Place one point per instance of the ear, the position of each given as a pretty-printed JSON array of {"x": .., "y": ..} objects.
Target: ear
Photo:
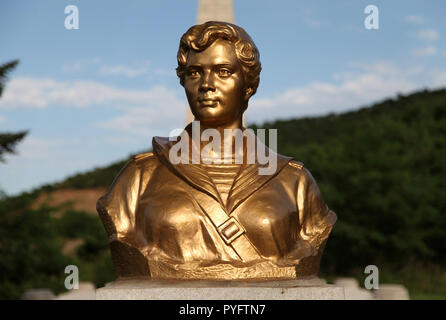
[{"x": 248, "y": 93}]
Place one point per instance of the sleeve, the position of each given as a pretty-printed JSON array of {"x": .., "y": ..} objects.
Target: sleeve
[
  {"x": 316, "y": 219},
  {"x": 117, "y": 210}
]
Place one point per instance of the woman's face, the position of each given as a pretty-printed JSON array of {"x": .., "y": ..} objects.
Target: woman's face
[{"x": 214, "y": 84}]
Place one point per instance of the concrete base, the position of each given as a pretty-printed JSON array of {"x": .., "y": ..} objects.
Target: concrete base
[{"x": 143, "y": 289}]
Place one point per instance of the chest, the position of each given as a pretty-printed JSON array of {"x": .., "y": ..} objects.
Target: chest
[{"x": 268, "y": 215}]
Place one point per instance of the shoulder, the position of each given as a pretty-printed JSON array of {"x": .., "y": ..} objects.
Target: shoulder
[
  {"x": 296, "y": 164},
  {"x": 295, "y": 168},
  {"x": 120, "y": 201},
  {"x": 138, "y": 163},
  {"x": 144, "y": 159},
  {"x": 300, "y": 172},
  {"x": 134, "y": 167},
  {"x": 135, "y": 172}
]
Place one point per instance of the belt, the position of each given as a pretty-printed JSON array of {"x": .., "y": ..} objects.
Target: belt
[{"x": 229, "y": 228}]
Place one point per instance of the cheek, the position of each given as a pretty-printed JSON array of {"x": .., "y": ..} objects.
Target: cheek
[
  {"x": 234, "y": 88},
  {"x": 189, "y": 88},
  {"x": 240, "y": 86}
]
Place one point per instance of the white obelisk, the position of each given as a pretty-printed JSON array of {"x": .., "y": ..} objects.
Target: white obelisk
[
  {"x": 212, "y": 10},
  {"x": 215, "y": 10}
]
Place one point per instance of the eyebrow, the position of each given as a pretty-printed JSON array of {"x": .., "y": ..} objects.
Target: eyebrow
[
  {"x": 225, "y": 65},
  {"x": 199, "y": 66},
  {"x": 194, "y": 66}
]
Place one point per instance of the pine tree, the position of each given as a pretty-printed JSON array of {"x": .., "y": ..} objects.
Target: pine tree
[{"x": 8, "y": 140}]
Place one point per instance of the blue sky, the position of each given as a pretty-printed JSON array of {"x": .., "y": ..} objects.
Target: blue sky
[{"x": 95, "y": 95}]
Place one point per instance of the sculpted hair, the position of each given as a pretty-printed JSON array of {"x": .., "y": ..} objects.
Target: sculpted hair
[{"x": 201, "y": 36}]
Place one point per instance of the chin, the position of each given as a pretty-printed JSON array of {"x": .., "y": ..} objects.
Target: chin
[
  {"x": 209, "y": 120},
  {"x": 206, "y": 116}
]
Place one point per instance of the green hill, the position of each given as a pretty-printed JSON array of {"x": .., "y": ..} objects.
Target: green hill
[{"x": 380, "y": 168}]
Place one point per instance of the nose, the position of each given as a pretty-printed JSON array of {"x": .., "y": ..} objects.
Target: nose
[{"x": 207, "y": 81}]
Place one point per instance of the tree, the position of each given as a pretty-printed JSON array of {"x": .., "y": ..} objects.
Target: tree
[
  {"x": 8, "y": 140},
  {"x": 4, "y": 70}
]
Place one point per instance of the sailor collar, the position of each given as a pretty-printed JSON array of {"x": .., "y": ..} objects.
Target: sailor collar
[{"x": 247, "y": 181}]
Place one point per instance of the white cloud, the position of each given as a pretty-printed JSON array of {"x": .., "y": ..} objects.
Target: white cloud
[
  {"x": 140, "y": 69},
  {"x": 42, "y": 160},
  {"x": 39, "y": 148},
  {"x": 80, "y": 65},
  {"x": 148, "y": 121},
  {"x": 429, "y": 35},
  {"x": 308, "y": 19},
  {"x": 97, "y": 66},
  {"x": 145, "y": 112},
  {"x": 311, "y": 22},
  {"x": 414, "y": 19},
  {"x": 122, "y": 71},
  {"x": 47, "y": 152},
  {"x": 426, "y": 51},
  {"x": 383, "y": 68},
  {"x": 31, "y": 92},
  {"x": 164, "y": 110},
  {"x": 438, "y": 79},
  {"x": 2, "y": 119},
  {"x": 349, "y": 90}
]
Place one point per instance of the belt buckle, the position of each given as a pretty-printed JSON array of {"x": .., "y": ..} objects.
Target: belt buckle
[{"x": 230, "y": 230}]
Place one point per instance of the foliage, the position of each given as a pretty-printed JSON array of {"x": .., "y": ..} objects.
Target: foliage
[
  {"x": 31, "y": 250},
  {"x": 8, "y": 141},
  {"x": 382, "y": 170},
  {"x": 30, "y": 253},
  {"x": 93, "y": 255},
  {"x": 4, "y": 71}
]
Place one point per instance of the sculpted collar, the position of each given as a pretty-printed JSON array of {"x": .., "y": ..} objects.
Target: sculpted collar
[{"x": 247, "y": 181}]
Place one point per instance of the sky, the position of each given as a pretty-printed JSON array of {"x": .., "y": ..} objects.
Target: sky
[{"x": 94, "y": 95}]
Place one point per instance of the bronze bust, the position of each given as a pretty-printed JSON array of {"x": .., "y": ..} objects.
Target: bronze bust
[{"x": 215, "y": 220}]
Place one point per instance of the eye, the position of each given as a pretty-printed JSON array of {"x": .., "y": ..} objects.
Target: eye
[
  {"x": 193, "y": 73},
  {"x": 224, "y": 73}
]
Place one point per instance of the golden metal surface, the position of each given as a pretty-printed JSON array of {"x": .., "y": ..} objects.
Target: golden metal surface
[{"x": 171, "y": 221}]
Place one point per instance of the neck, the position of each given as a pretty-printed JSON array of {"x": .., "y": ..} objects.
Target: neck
[{"x": 226, "y": 140}]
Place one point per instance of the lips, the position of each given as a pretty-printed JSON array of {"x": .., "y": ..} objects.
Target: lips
[
  {"x": 207, "y": 99},
  {"x": 208, "y": 102}
]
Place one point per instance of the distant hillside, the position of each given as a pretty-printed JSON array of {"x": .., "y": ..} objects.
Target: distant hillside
[
  {"x": 94, "y": 180},
  {"x": 380, "y": 168}
]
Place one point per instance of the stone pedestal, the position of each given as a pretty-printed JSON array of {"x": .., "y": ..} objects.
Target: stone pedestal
[
  {"x": 143, "y": 289},
  {"x": 391, "y": 292},
  {"x": 38, "y": 294},
  {"x": 352, "y": 289},
  {"x": 86, "y": 291}
]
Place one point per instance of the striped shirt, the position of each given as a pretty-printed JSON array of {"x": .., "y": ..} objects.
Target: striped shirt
[{"x": 223, "y": 176}]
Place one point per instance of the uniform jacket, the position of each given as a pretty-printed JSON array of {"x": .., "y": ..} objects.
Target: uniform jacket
[{"x": 167, "y": 221}]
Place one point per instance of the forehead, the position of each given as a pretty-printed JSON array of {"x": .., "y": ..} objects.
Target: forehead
[{"x": 219, "y": 52}]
